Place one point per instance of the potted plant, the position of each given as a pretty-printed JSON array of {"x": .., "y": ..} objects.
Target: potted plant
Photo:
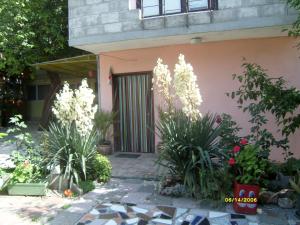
[
  {"x": 248, "y": 168},
  {"x": 103, "y": 122},
  {"x": 26, "y": 180}
]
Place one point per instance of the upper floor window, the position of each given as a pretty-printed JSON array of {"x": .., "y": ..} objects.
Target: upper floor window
[{"x": 167, "y": 7}]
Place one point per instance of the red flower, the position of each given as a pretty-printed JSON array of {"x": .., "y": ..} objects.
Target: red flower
[
  {"x": 244, "y": 141},
  {"x": 218, "y": 119},
  {"x": 236, "y": 149},
  {"x": 231, "y": 161}
]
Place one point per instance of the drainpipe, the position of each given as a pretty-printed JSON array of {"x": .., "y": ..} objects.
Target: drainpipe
[{"x": 98, "y": 81}]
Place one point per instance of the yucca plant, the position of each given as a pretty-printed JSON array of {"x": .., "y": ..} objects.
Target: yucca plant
[
  {"x": 190, "y": 149},
  {"x": 69, "y": 150}
]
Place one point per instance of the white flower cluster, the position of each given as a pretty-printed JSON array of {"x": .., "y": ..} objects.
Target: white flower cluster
[
  {"x": 76, "y": 106},
  {"x": 185, "y": 86},
  {"x": 162, "y": 80}
]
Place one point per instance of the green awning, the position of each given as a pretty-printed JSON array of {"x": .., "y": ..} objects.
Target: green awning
[{"x": 77, "y": 66}]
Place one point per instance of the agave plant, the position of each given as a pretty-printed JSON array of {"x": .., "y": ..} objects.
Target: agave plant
[
  {"x": 190, "y": 149},
  {"x": 69, "y": 150}
]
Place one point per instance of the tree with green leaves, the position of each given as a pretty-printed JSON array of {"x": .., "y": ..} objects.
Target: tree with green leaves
[
  {"x": 259, "y": 95},
  {"x": 32, "y": 31},
  {"x": 295, "y": 31}
]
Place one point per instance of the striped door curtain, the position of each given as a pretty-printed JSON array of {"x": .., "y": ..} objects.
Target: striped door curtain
[{"x": 133, "y": 103}]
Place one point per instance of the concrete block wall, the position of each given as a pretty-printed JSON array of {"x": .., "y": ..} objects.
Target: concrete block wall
[
  {"x": 94, "y": 17},
  {"x": 90, "y": 18}
]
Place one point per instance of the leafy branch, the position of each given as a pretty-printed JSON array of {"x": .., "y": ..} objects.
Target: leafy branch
[{"x": 259, "y": 95}]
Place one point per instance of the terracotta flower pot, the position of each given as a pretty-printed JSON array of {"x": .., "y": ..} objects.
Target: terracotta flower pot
[
  {"x": 245, "y": 198},
  {"x": 105, "y": 149}
]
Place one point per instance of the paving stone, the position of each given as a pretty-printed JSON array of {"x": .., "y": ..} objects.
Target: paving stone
[
  {"x": 136, "y": 197},
  {"x": 133, "y": 168},
  {"x": 185, "y": 202},
  {"x": 157, "y": 199},
  {"x": 148, "y": 188}
]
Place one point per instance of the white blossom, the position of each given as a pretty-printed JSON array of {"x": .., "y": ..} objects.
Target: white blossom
[
  {"x": 162, "y": 80},
  {"x": 76, "y": 106},
  {"x": 186, "y": 87}
]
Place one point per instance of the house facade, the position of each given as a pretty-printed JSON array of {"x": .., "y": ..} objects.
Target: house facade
[{"x": 214, "y": 35}]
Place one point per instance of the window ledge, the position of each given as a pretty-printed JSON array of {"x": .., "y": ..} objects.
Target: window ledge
[{"x": 177, "y": 14}]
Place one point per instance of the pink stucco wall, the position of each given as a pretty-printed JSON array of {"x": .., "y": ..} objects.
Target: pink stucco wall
[{"x": 214, "y": 63}]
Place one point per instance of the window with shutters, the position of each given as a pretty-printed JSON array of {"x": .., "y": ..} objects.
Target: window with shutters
[{"x": 152, "y": 8}]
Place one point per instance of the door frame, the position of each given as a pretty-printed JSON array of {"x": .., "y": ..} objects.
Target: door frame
[{"x": 115, "y": 124}]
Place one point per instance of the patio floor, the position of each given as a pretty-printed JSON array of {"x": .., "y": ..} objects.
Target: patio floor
[
  {"x": 101, "y": 206},
  {"x": 142, "y": 167}
]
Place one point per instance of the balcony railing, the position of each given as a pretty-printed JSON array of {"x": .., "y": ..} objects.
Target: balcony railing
[{"x": 151, "y": 8}]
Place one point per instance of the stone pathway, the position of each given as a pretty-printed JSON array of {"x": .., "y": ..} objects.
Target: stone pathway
[
  {"x": 122, "y": 214},
  {"x": 142, "y": 194},
  {"x": 21, "y": 210},
  {"x": 143, "y": 167}
]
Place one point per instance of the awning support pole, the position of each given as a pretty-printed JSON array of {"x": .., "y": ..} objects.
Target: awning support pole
[{"x": 98, "y": 82}]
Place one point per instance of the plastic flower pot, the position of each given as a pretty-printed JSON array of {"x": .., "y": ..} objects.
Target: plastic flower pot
[
  {"x": 30, "y": 189},
  {"x": 245, "y": 198}
]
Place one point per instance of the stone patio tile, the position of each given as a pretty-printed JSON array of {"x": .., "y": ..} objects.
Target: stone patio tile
[
  {"x": 118, "y": 208},
  {"x": 219, "y": 218},
  {"x": 197, "y": 211},
  {"x": 252, "y": 218},
  {"x": 168, "y": 210},
  {"x": 272, "y": 220},
  {"x": 139, "y": 210},
  {"x": 180, "y": 212},
  {"x": 136, "y": 197},
  {"x": 133, "y": 181},
  {"x": 162, "y": 221},
  {"x": 185, "y": 203},
  {"x": 147, "y": 188},
  {"x": 157, "y": 199},
  {"x": 74, "y": 213},
  {"x": 98, "y": 222}
]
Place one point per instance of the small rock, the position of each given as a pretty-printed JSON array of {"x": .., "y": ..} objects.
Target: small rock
[
  {"x": 285, "y": 203},
  {"x": 285, "y": 193},
  {"x": 268, "y": 197},
  {"x": 259, "y": 211}
]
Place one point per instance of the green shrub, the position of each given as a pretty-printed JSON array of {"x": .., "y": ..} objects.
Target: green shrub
[
  {"x": 187, "y": 149},
  {"x": 101, "y": 169},
  {"x": 290, "y": 167},
  {"x": 86, "y": 186},
  {"x": 25, "y": 173},
  {"x": 261, "y": 95}
]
